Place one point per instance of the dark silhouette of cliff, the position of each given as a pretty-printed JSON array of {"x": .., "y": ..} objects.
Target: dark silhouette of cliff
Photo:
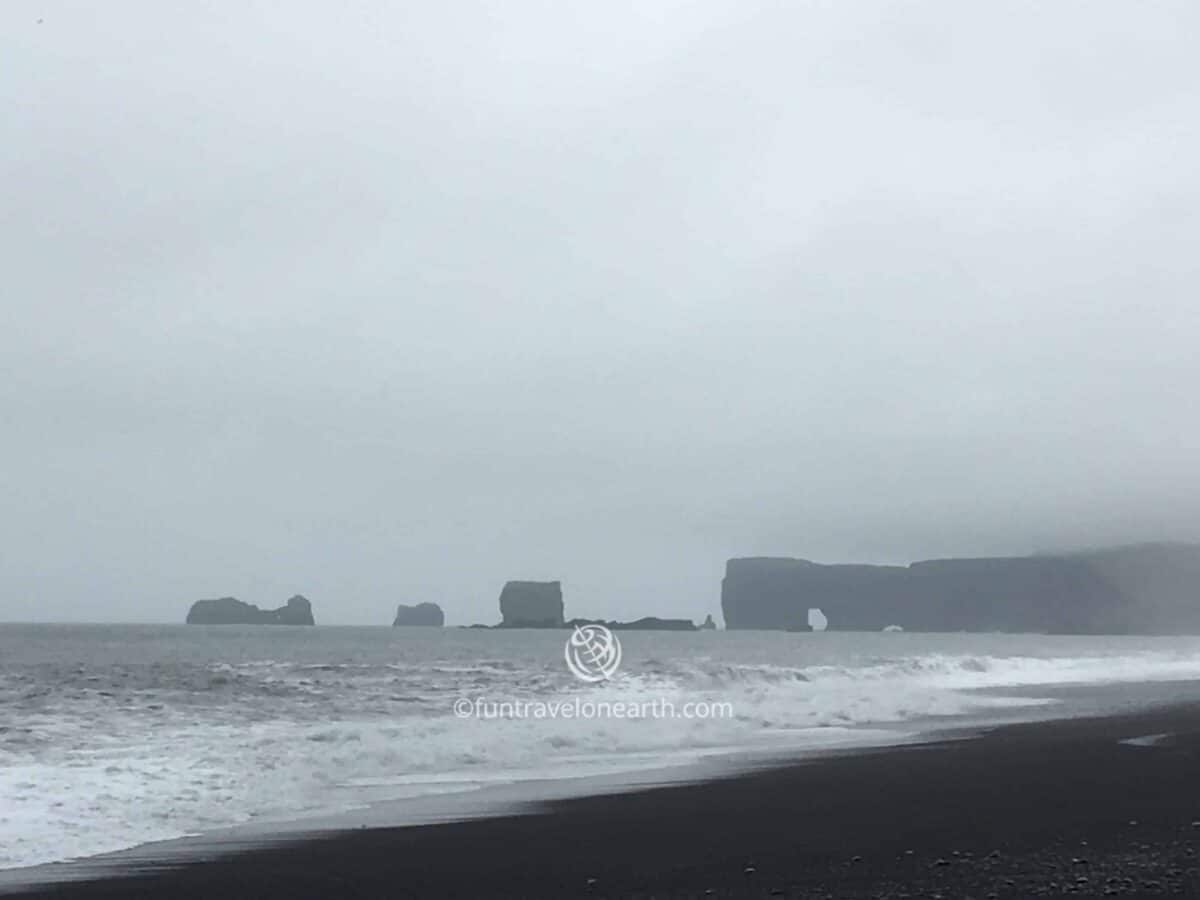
[
  {"x": 531, "y": 604},
  {"x": 230, "y": 611},
  {"x": 646, "y": 623},
  {"x": 1141, "y": 589},
  {"x": 539, "y": 604},
  {"x": 423, "y": 614}
]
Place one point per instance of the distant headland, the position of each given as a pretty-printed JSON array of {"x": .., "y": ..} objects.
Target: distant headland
[{"x": 1138, "y": 589}]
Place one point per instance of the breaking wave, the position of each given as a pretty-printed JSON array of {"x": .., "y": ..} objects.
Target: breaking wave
[{"x": 106, "y": 753}]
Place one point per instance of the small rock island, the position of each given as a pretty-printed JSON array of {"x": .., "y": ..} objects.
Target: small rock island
[
  {"x": 646, "y": 623},
  {"x": 531, "y": 604},
  {"x": 539, "y": 604},
  {"x": 231, "y": 611},
  {"x": 425, "y": 614}
]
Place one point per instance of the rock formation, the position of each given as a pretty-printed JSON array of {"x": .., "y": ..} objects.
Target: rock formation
[
  {"x": 647, "y": 623},
  {"x": 229, "y": 611},
  {"x": 531, "y": 604},
  {"x": 1144, "y": 589},
  {"x": 421, "y": 614}
]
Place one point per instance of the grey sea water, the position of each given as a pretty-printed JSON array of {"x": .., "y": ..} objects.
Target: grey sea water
[{"x": 116, "y": 735}]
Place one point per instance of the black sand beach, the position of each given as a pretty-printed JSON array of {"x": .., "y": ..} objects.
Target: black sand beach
[{"x": 1032, "y": 810}]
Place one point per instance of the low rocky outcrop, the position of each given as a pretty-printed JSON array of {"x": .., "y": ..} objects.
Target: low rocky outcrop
[
  {"x": 531, "y": 604},
  {"x": 647, "y": 623},
  {"x": 230, "y": 611},
  {"x": 429, "y": 614},
  {"x": 1142, "y": 589}
]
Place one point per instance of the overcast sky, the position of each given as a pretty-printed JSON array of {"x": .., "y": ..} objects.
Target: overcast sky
[{"x": 389, "y": 302}]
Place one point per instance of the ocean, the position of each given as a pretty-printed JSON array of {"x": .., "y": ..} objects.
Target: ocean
[{"x": 112, "y": 736}]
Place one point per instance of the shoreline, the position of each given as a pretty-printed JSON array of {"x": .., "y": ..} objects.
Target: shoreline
[
  {"x": 1021, "y": 810},
  {"x": 465, "y": 801}
]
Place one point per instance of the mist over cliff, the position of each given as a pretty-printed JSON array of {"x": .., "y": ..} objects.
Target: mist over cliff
[
  {"x": 394, "y": 301},
  {"x": 1145, "y": 589}
]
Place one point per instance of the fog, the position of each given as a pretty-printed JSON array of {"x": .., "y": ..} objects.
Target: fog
[{"x": 386, "y": 303}]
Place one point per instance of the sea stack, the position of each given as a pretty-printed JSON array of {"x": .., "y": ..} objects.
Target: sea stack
[
  {"x": 646, "y": 623},
  {"x": 531, "y": 604},
  {"x": 425, "y": 614},
  {"x": 231, "y": 611}
]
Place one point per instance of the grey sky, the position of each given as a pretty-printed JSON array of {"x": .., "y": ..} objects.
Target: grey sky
[{"x": 390, "y": 302}]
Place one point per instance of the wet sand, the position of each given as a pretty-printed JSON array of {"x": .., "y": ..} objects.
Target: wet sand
[{"x": 1042, "y": 809}]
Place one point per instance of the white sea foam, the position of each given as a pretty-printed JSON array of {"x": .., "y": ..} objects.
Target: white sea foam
[{"x": 104, "y": 753}]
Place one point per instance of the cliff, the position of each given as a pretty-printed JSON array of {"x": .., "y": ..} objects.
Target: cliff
[
  {"x": 531, "y": 604},
  {"x": 229, "y": 611},
  {"x": 1143, "y": 589},
  {"x": 646, "y": 623},
  {"x": 422, "y": 614}
]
